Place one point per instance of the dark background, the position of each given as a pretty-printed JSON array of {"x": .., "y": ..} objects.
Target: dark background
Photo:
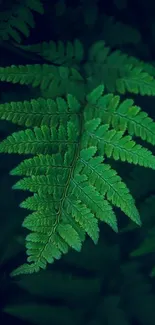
[{"x": 103, "y": 284}]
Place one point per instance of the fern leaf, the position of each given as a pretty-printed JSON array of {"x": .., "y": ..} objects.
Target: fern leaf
[
  {"x": 58, "y": 53},
  {"x": 107, "y": 182},
  {"x": 19, "y": 19},
  {"x": 41, "y": 164},
  {"x": 42, "y": 184},
  {"x": 92, "y": 198},
  {"x": 70, "y": 236},
  {"x": 38, "y": 202},
  {"x": 58, "y": 81},
  {"x": 84, "y": 217},
  {"x": 73, "y": 186},
  {"x": 136, "y": 81},
  {"x": 39, "y": 112},
  {"x": 126, "y": 116},
  {"x": 42, "y": 219},
  {"x": 112, "y": 143},
  {"x": 25, "y": 269},
  {"x": 117, "y": 72},
  {"x": 44, "y": 248},
  {"x": 39, "y": 140},
  {"x": 35, "y": 5},
  {"x": 121, "y": 115},
  {"x": 39, "y": 220}
]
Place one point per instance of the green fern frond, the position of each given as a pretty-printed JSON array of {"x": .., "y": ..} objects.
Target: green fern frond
[
  {"x": 117, "y": 72},
  {"x": 107, "y": 182},
  {"x": 40, "y": 165},
  {"x": 113, "y": 144},
  {"x": 58, "y": 81},
  {"x": 26, "y": 269},
  {"x": 19, "y": 19},
  {"x": 38, "y": 140},
  {"x": 70, "y": 53},
  {"x": 121, "y": 115},
  {"x": 38, "y": 202},
  {"x": 74, "y": 189},
  {"x": 40, "y": 111},
  {"x": 85, "y": 218}
]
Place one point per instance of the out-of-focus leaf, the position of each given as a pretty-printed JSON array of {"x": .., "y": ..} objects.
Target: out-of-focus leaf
[{"x": 42, "y": 314}]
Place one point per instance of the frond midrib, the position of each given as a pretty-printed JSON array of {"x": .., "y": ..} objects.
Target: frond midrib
[{"x": 64, "y": 196}]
